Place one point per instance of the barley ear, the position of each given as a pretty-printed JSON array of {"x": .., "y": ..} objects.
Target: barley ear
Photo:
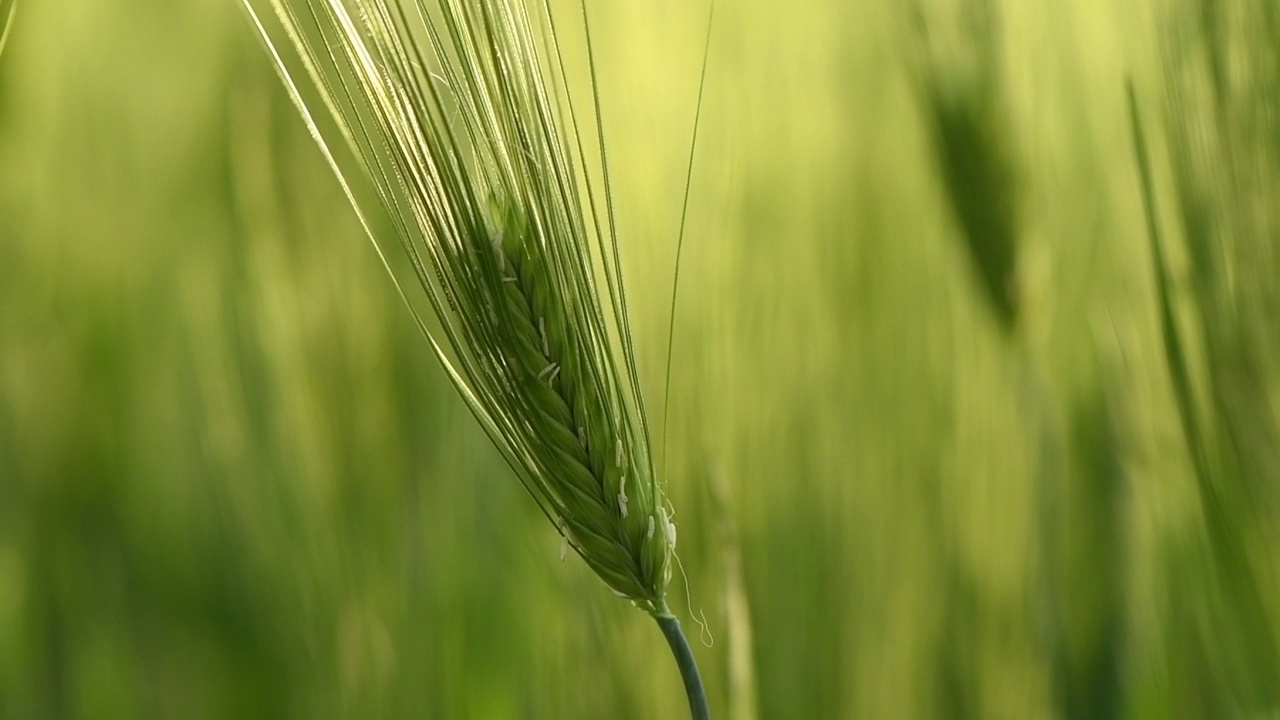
[
  {"x": 601, "y": 480},
  {"x": 443, "y": 128}
]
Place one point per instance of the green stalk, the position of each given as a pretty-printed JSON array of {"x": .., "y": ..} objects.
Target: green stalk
[{"x": 688, "y": 666}]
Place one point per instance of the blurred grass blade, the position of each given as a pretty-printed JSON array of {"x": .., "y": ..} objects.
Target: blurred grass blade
[
  {"x": 743, "y": 688},
  {"x": 1248, "y": 623},
  {"x": 8, "y": 11},
  {"x": 1175, "y": 353},
  {"x": 1218, "y": 516}
]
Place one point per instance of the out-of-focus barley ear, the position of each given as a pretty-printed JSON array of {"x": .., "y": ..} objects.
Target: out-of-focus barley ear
[
  {"x": 469, "y": 174},
  {"x": 8, "y": 11},
  {"x": 957, "y": 69}
]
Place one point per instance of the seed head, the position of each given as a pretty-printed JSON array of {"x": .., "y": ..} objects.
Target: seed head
[{"x": 444, "y": 124}]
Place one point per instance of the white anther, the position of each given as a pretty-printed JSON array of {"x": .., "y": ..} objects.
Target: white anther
[
  {"x": 617, "y": 451},
  {"x": 622, "y": 496},
  {"x": 564, "y": 548},
  {"x": 648, "y": 533},
  {"x": 668, "y": 528},
  {"x": 549, "y": 371}
]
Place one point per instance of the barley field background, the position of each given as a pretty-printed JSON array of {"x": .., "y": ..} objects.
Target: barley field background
[{"x": 952, "y": 433}]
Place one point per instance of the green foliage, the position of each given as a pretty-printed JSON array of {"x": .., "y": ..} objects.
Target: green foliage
[{"x": 235, "y": 483}]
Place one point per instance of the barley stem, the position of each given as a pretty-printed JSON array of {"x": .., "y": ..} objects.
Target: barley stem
[{"x": 688, "y": 666}]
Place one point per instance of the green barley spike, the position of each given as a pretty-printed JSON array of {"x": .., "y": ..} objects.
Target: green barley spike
[{"x": 440, "y": 120}]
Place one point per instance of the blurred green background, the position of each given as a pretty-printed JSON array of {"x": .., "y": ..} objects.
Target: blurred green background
[{"x": 939, "y": 445}]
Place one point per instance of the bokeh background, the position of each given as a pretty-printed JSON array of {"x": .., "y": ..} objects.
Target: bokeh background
[{"x": 951, "y": 435}]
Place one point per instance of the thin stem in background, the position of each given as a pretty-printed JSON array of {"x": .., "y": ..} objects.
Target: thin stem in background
[{"x": 6, "y": 21}]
